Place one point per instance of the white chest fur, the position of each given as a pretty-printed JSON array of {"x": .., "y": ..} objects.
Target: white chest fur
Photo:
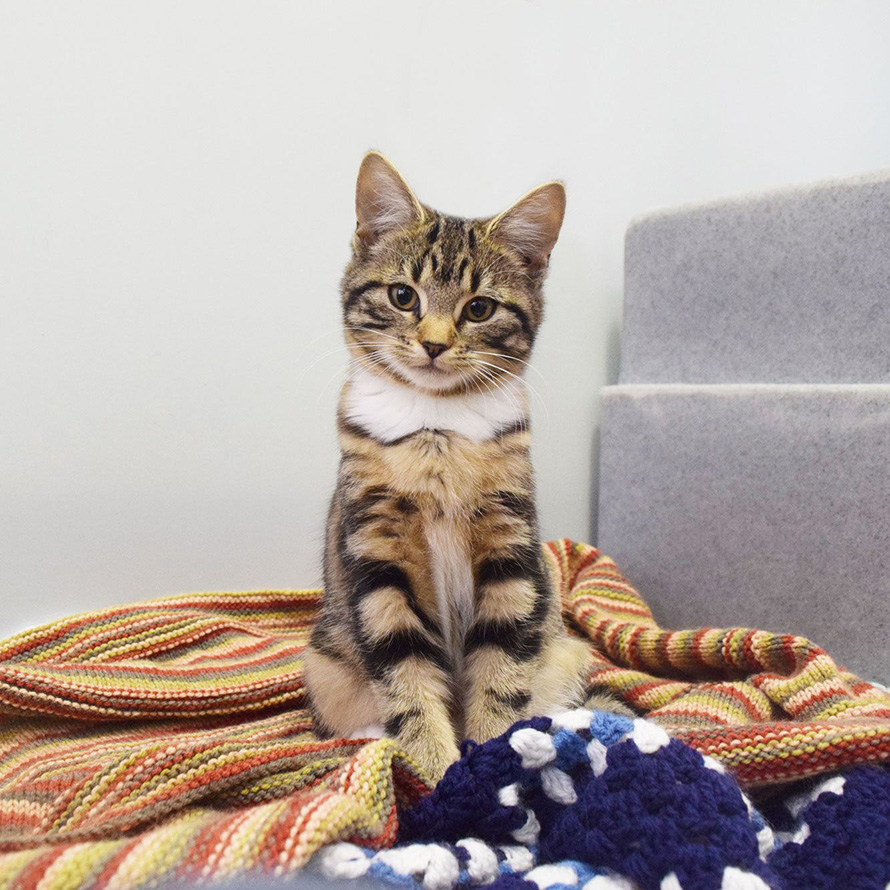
[
  {"x": 453, "y": 581},
  {"x": 389, "y": 411}
]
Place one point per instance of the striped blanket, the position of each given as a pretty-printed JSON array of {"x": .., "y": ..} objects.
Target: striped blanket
[{"x": 169, "y": 741}]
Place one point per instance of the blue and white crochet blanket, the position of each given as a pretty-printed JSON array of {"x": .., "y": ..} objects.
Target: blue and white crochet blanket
[{"x": 599, "y": 802}]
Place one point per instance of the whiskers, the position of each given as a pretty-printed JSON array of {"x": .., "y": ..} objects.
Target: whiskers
[
  {"x": 374, "y": 355},
  {"x": 512, "y": 358},
  {"x": 487, "y": 381},
  {"x": 366, "y": 361},
  {"x": 374, "y": 331},
  {"x": 490, "y": 372}
]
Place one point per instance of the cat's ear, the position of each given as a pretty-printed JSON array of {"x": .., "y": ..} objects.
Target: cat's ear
[
  {"x": 531, "y": 226},
  {"x": 383, "y": 201}
]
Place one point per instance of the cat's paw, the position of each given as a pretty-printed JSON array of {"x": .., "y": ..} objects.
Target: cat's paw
[
  {"x": 433, "y": 758},
  {"x": 490, "y": 724},
  {"x": 604, "y": 701}
]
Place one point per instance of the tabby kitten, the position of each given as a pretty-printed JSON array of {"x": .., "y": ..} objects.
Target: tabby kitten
[{"x": 438, "y": 620}]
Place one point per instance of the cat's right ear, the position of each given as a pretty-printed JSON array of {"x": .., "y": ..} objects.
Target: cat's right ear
[{"x": 383, "y": 201}]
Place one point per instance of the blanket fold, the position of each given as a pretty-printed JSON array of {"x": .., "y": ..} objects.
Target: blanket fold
[{"x": 170, "y": 738}]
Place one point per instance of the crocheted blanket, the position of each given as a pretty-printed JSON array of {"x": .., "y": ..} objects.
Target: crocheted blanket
[
  {"x": 168, "y": 740},
  {"x": 599, "y": 801}
]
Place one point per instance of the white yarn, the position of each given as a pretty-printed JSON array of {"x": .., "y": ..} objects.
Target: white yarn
[
  {"x": 717, "y": 766},
  {"x": 574, "y": 720},
  {"x": 410, "y": 860},
  {"x": 443, "y": 869},
  {"x": 736, "y": 879},
  {"x": 801, "y": 834},
  {"x": 482, "y": 866},
  {"x": 433, "y": 865},
  {"x": 437, "y": 865},
  {"x": 518, "y": 858},
  {"x": 548, "y": 875},
  {"x": 797, "y": 802},
  {"x": 534, "y": 747},
  {"x": 342, "y": 861},
  {"x": 596, "y": 751},
  {"x": 529, "y": 832},
  {"x": 766, "y": 842},
  {"x": 508, "y": 796},
  {"x": 558, "y": 785},
  {"x": 648, "y": 737},
  {"x": 670, "y": 882},
  {"x": 833, "y": 785}
]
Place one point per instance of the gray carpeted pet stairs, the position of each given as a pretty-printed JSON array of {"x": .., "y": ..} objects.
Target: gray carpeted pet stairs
[{"x": 746, "y": 448}]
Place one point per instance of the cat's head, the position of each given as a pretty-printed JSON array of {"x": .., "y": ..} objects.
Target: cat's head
[{"x": 441, "y": 303}]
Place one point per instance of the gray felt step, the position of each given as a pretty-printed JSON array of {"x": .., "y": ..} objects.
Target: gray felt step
[
  {"x": 755, "y": 505},
  {"x": 791, "y": 286}
]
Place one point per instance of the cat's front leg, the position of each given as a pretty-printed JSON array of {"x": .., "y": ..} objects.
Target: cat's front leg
[
  {"x": 403, "y": 654},
  {"x": 415, "y": 693},
  {"x": 504, "y": 643}
]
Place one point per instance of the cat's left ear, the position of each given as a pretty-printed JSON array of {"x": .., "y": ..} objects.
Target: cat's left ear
[
  {"x": 383, "y": 200},
  {"x": 531, "y": 226}
]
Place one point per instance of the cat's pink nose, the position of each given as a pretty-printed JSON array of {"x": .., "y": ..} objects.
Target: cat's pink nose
[{"x": 434, "y": 349}]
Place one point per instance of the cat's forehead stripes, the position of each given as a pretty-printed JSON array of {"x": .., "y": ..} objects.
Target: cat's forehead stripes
[
  {"x": 460, "y": 271},
  {"x": 450, "y": 255}
]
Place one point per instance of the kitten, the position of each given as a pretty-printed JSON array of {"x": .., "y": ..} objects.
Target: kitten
[{"x": 438, "y": 620}]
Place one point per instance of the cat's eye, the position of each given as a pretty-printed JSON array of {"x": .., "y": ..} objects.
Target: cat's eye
[
  {"x": 403, "y": 297},
  {"x": 479, "y": 308}
]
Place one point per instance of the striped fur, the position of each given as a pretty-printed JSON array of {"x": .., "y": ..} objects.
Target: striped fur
[{"x": 438, "y": 622}]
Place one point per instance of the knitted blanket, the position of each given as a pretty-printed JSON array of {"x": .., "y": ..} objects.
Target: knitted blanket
[{"x": 168, "y": 740}]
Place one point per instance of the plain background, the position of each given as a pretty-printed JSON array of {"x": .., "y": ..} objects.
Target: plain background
[{"x": 176, "y": 188}]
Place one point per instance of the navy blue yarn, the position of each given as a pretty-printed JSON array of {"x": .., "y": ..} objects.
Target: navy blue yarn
[
  {"x": 511, "y": 882},
  {"x": 849, "y": 842},
  {"x": 465, "y": 802},
  {"x": 648, "y": 815}
]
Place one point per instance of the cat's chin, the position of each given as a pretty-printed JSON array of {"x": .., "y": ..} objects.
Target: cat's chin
[{"x": 432, "y": 380}]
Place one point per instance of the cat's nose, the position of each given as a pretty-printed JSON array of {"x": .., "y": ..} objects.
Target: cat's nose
[{"x": 434, "y": 349}]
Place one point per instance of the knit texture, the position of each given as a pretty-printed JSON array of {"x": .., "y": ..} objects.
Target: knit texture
[
  {"x": 600, "y": 801},
  {"x": 170, "y": 739}
]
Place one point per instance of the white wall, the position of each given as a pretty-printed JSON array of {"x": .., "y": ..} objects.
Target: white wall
[{"x": 176, "y": 186}]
